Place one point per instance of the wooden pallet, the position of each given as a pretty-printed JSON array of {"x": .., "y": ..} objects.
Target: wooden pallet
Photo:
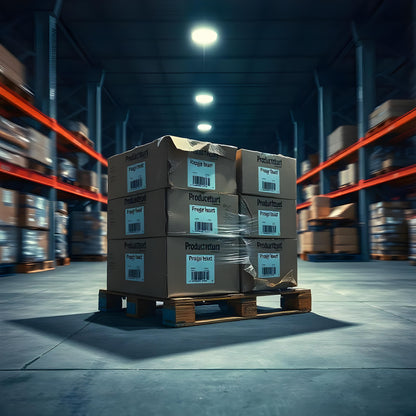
[
  {"x": 384, "y": 171},
  {"x": 63, "y": 262},
  {"x": 89, "y": 257},
  {"x": 35, "y": 267},
  {"x": 39, "y": 167},
  {"x": 388, "y": 257},
  {"x": 380, "y": 126},
  {"x": 180, "y": 312},
  {"x": 86, "y": 187},
  {"x": 82, "y": 138}
]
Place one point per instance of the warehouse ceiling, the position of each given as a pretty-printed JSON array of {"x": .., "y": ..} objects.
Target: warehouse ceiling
[{"x": 262, "y": 68}]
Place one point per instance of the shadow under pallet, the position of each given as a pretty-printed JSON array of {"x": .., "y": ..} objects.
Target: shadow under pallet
[
  {"x": 328, "y": 257},
  {"x": 180, "y": 312}
]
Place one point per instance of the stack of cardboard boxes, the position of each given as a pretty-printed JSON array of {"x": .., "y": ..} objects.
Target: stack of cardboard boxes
[
  {"x": 389, "y": 228},
  {"x": 323, "y": 229},
  {"x": 341, "y": 138},
  {"x": 8, "y": 226},
  {"x": 88, "y": 233},
  {"x": 267, "y": 190},
  {"x": 34, "y": 226},
  {"x": 348, "y": 176},
  {"x": 174, "y": 222},
  {"x": 61, "y": 230}
]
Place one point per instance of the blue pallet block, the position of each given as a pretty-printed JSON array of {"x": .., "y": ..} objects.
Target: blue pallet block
[{"x": 333, "y": 257}]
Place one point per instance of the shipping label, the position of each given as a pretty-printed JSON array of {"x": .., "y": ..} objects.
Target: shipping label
[
  {"x": 201, "y": 174},
  {"x": 200, "y": 268},
  {"x": 203, "y": 220},
  {"x": 136, "y": 177},
  {"x": 269, "y": 180},
  {"x": 134, "y": 267},
  {"x": 134, "y": 220},
  {"x": 268, "y": 265},
  {"x": 269, "y": 222},
  {"x": 7, "y": 197}
]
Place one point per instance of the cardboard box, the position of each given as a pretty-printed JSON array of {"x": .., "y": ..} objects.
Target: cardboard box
[
  {"x": 341, "y": 138},
  {"x": 61, "y": 223},
  {"x": 387, "y": 212},
  {"x": 304, "y": 215},
  {"x": 348, "y": 176},
  {"x": 345, "y": 248},
  {"x": 316, "y": 241},
  {"x": 87, "y": 178},
  {"x": 77, "y": 127},
  {"x": 347, "y": 211},
  {"x": 173, "y": 266},
  {"x": 13, "y": 133},
  {"x": 173, "y": 212},
  {"x": 8, "y": 207},
  {"x": 267, "y": 217},
  {"x": 40, "y": 147},
  {"x": 390, "y": 109},
  {"x": 320, "y": 207},
  {"x": 173, "y": 162},
  {"x": 389, "y": 229},
  {"x": 266, "y": 174},
  {"x": 12, "y": 157},
  {"x": 11, "y": 67},
  {"x": 390, "y": 204},
  {"x": 310, "y": 163},
  {"x": 345, "y": 236},
  {"x": 33, "y": 212},
  {"x": 270, "y": 265},
  {"x": 34, "y": 245}
]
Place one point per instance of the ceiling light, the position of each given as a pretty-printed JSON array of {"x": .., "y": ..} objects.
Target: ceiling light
[
  {"x": 204, "y": 99},
  {"x": 204, "y": 36},
  {"x": 204, "y": 127}
]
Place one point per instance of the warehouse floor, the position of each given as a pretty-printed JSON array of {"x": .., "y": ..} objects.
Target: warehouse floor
[{"x": 353, "y": 355}]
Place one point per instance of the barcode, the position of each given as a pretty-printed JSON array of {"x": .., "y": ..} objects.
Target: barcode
[
  {"x": 200, "y": 276},
  {"x": 136, "y": 183},
  {"x": 134, "y": 274},
  {"x": 269, "y": 186},
  {"x": 134, "y": 227},
  {"x": 269, "y": 229},
  {"x": 269, "y": 271},
  {"x": 201, "y": 181},
  {"x": 203, "y": 226}
]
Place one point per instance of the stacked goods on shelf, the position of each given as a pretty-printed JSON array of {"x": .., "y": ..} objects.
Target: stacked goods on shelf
[
  {"x": 66, "y": 170},
  {"x": 87, "y": 179},
  {"x": 79, "y": 130},
  {"x": 11, "y": 69},
  {"x": 61, "y": 230},
  {"x": 309, "y": 191},
  {"x": 39, "y": 151},
  {"x": 88, "y": 234},
  {"x": 384, "y": 159},
  {"x": 328, "y": 230},
  {"x": 34, "y": 225},
  {"x": 348, "y": 176},
  {"x": 341, "y": 138},
  {"x": 389, "y": 230},
  {"x": 389, "y": 110},
  {"x": 14, "y": 143},
  {"x": 173, "y": 219},
  {"x": 8, "y": 226},
  {"x": 104, "y": 184},
  {"x": 310, "y": 163},
  {"x": 267, "y": 190},
  {"x": 412, "y": 236}
]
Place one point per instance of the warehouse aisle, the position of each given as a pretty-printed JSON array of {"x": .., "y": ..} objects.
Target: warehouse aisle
[{"x": 354, "y": 354}]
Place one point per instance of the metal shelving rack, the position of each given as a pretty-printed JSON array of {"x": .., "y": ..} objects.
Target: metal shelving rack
[{"x": 394, "y": 131}]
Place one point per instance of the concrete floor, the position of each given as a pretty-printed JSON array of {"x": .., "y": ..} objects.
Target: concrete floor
[{"x": 355, "y": 354}]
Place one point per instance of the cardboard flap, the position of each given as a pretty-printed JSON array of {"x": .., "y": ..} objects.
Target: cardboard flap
[{"x": 190, "y": 145}]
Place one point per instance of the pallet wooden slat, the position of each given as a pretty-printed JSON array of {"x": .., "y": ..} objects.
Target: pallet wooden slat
[
  {"x": 181, "y": 312},
  {"x": 63, "y": 262},
  {"x": 388, "y": 257},
  {"x": 36, "y": 267}
]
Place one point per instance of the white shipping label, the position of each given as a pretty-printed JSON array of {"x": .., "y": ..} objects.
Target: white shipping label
[
  {"x": 268, "y": 265},
  {"x": 201, "y": 174},
  {"x": 269, "y": 222},
  {"x": 134, "y": 220},
  {"x": 134, "y": 267},
  {"x": 136, "y": 177},
  {"x": 203, "y": 220},
  {"x": 269, "y": 180},
  {"x": 7, "y": 197},
  {"x": 200, "y": 268}
]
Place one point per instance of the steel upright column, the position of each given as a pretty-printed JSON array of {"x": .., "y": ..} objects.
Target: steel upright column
[
  {"x": 95, "y": 124},
  {"x": 324, "y": 129},
  {"x": 366, "y": 100},
  {"x": 45, "y": 93}
]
